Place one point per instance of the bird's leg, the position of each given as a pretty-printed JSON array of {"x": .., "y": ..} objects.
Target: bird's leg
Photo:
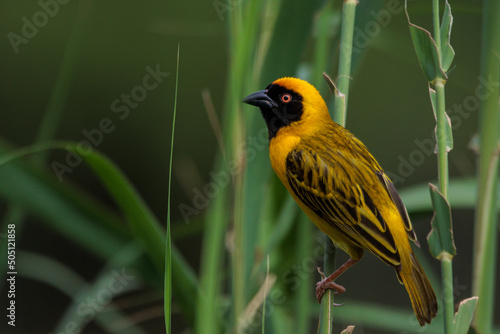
[{"x": 328, "y": 282}]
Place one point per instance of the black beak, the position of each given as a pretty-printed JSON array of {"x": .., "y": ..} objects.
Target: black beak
[{"x": 260, "y": 99}]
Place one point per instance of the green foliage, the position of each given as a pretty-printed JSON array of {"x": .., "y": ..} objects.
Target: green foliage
[
  {"x": 447, "y": 52},
  {"x": 440, "y": 238},
  {"x": 487, "y": 222},
  {"x": 463, "y": 317},
  {"x": 427, "y": 53},
  {"x": 434, "y": 58},
  {"x": 448, "y": 128},
  {"x": 435, "y": 55}
]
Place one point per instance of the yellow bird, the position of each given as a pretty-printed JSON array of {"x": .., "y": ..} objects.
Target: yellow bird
[{"x": 341, "y": 187}]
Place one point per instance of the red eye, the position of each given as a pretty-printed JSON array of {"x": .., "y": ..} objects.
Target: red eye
[{"x": 285, "y": 98}]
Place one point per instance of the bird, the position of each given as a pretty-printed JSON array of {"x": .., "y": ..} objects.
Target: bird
[{"x": 341, "y": 188}]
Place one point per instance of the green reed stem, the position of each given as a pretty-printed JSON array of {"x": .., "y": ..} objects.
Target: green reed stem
[
  {"x": 246, "y": 25},
  {"x": 446, "y": 264},
  {"x": 435, "y": 21},
  {"x": 441, "y": 137},
  {"x": 329, "y": 266},
  {"x": 485, "y": 243},
  {"x": 447, "y": 281},
  {"x": 345, "y": 56},
  {"x": 339, "y": 116},
  {"x": 208, "y": 318}
]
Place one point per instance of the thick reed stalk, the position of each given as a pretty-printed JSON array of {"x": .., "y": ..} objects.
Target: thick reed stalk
[
  {"x": 485, "y": 243},
  {"x": 339, "y": 112}
]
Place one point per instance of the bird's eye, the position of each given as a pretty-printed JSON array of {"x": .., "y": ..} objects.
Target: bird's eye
[{"x": 285, "y": 98}]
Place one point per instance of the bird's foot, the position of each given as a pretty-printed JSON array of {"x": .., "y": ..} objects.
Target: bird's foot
[{"x": 325, "y": 284}]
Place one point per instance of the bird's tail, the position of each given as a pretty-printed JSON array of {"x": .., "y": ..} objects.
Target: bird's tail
[{"x": 422, "y": 296}]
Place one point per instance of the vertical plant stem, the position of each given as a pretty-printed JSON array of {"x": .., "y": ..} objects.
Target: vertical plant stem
[
  {"x": 168, "y": 280},
  {"x": 435, "y": 19},
  {"x": 447, "y": 279},
  {"x": 265, "y": 294},
  {"x": 244, "y": 43},
  {"x": 441, "y": 119},
  {"x": 168, "y": 247},
  {"x": 244, "y": 28},
  {"x": 441, "y": 135},
  {"x": 327, "y": 301},
  {"x": 303, "y": 300},
  {"x": 239, "y": 254},
  {"x": 339, "y": 112},
  {"x": 320, "y": 64},
  {"x": 323, "y": 43},
  {"x": 207, "y": 315},
  {"x": 344, "y": 74},
  {"x": 485, "y": 243},
  {"x": 218, "y": 216}
]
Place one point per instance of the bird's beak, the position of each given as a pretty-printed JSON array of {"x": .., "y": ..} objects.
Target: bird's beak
[{"x": 260, "y": 99}]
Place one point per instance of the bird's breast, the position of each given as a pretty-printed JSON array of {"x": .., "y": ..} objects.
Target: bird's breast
[{"x": 279, "y": 147}]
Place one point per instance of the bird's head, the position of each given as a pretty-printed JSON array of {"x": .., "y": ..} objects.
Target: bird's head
[{"x": 290, "y": 103}]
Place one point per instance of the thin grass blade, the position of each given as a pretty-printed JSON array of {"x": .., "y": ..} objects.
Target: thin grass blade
[{"x": 168, "y": 246}]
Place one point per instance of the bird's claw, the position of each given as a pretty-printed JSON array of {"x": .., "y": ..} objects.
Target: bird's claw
[
  {"x": 322, "y": 274},
  {"x": 324, "y": 285}
]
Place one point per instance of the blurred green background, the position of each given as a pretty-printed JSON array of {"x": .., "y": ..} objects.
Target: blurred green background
[{"x": 101, "y": 50}]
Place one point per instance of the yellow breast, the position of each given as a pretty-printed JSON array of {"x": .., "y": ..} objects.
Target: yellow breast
[{"x": 279, "y": 147}]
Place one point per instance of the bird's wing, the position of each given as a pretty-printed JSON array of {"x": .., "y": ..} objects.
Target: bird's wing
[
  {"x": 336, "y": 187},
  {"x": 393, "y": 193}
]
